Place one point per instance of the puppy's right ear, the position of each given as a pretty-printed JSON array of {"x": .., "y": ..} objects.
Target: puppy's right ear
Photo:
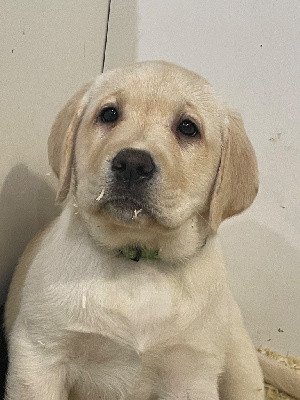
[{"x": 62, "y": 140}]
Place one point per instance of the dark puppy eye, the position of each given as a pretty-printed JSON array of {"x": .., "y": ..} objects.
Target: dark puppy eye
[
  {"x": 109, "y": 115},
  {"x": 188, "y": 128}
]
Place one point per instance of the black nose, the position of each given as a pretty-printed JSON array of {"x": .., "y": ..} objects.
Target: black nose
[{"x": 133, "y": 166}]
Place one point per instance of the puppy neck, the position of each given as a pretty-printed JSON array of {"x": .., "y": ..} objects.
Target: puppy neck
[
  {"x": 136, "y": 253},
  {"x": 135, "y": 242}
]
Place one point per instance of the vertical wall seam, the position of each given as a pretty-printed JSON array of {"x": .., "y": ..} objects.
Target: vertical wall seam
[{"x": 106, "y": 35}]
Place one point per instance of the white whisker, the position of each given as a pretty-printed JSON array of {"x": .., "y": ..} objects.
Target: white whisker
[{"x": 100, "y": 195}]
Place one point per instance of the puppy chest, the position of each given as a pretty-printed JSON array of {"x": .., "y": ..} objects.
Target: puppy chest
[
  {"x": 134, "y": 311},
  {"x": 139, "y": 307}
]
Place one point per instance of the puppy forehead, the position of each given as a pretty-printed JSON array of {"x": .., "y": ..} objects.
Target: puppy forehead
[{"x": 153, "y": 84}]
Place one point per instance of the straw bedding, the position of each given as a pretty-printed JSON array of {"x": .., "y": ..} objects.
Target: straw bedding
[{"x": 291, "y": 362}]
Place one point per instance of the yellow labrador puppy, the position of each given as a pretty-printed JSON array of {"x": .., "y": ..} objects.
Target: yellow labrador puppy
[{"x": 124, "y": 296}]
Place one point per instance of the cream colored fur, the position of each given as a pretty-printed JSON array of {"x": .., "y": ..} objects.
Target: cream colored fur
[{"x": 82, "y": 321}]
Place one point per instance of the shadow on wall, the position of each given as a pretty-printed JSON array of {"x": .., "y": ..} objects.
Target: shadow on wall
[{"x": 27, "y": 203}]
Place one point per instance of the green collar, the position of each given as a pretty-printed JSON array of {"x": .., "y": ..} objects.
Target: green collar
[{"x": 135, "y": 253}]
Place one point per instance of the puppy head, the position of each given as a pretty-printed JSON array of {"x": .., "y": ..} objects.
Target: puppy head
[{"x": 151, "y": 145}]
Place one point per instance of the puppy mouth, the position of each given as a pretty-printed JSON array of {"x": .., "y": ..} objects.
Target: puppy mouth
[{"x": 127, "y": 209}]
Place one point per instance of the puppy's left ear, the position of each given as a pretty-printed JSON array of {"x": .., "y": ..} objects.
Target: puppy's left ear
[
  {"x": 236, "y": 184},
  {"x": 62, "y": 140}
]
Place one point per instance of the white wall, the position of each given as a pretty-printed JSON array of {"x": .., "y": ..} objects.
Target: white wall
[
  {"x": 250, "y": 51},
  {"x": 122, "y": 38},
  {"x": 48, "y": 49}
]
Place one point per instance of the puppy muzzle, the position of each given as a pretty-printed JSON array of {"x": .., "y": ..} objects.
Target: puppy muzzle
[{"x": 131, "y": 194}]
